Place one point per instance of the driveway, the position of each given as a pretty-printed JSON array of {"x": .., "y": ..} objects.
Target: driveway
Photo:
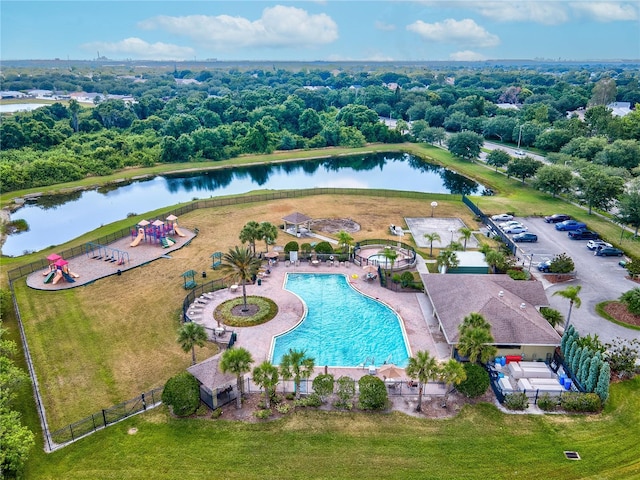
[{"x": 601, "y": 278}]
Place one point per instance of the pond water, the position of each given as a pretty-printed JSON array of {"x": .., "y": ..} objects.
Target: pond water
[{"x": 57, "y": 219}]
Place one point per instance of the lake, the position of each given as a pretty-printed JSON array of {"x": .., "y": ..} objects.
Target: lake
[{"x": 54, "y": 220}]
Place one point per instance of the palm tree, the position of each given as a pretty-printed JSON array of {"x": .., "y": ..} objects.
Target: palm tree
[
  {"x": 431, "y": 237},
  {"x": 447, "y": 259},
  {"x": 250, "y": 233},
  {"x": 295, "y": 364},
  {"x": 476, "y": 343},
  {"x": 190, "y": 335},
  {"x": 391, "y": 255},
  {"x": 266, "y": 376},
  {"x": 422, "y": 367},
  {"x": 494, "y": 259},
  {"x": 345, "y": 240},
  {"x": 268, "y": 233},
  {"x": 473, "y": 320},
  {"x": 236, "y": 361},
  {"x": 243, "y": 266},
  {"x": 571, "y": 294},
  {"x": 466, "y": 234},
  {"x": 74, "y": 108},
  {"x": 451, "y": 373}
]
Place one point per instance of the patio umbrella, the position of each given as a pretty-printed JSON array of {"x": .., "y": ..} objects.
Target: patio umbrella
[
  {"x": 271, "y": 255},
  {"x": 370, "y": 269},
  {"x": 390, "y": 370}
]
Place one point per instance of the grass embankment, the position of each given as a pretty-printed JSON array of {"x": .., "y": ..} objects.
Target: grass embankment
[{"x": 479, "y": 443}]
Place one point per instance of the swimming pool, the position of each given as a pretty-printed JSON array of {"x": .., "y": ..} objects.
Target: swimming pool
[{"x": 342, "y": 327}]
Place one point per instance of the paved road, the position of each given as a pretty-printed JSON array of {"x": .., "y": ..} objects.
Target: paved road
[
  {"x": 510, "y": 151},
  {"x": 601, "y": 278}
]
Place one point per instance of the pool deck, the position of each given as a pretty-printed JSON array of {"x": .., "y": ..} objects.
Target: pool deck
[{"x": 413, "y": 308}]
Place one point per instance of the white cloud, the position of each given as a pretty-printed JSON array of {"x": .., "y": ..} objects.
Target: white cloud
[
  {"x": 134, "y": 47},
  {"x": 606, "y": 11},
  {"x": 546, "y": 13},
  {"x": 385, "y": 27},
  {"x": 459, "y": 32},
  {"x": 279, "y": 26},
  {"x": 467, "y": 56}
]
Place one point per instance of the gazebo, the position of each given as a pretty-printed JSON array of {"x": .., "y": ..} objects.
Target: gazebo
[{"x": 295, "y": 220}]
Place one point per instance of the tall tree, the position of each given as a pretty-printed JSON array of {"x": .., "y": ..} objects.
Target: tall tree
[
  {"x": 391, "y": 255},
  {"x": 475, "y": 340},
  {"x": 451, "y": 373},
  {"x": 268, "y": 233},
  {"x": 448, "y": 259},
  {"x": 250, "y": 233},
  {"x": 191, "y": 335},
  {"x": 498, "y": 158},
  {"x": 345, "y": 240},
  {"x": 466, "y": 234},
  {"x": 237, "y": 361},
  {"x": 604, "y": 92},
  {"x": 629, "y": 206},
  {"x": 423, "y": 367},
  {"x": 243, "y": 266},
  {"x": 599, "y": 187},
  {"x": 523, "y": 168},
  {"x": 554, "y": 179},
  {"x": 296, "y": 365},
  {"x": 266, "y": 376},
  {"x": 431, "y": 237},
  {"x": 465, "y": 145},
  {"x": 570, "y": 293}
]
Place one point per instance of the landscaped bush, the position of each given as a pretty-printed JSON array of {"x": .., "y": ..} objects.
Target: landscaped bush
[
  {"x": 580, "y": 402},
  {"x": 323, "y": 385},
  {"x": 548, "y": 403},
  {"x": 324, "y": 247},
  {"x": 476, "y": 383},
  {"x": 373, "y": 393},
  {"x": 262, "y": 414},
  {"x": 306, "y": 248},
  {"x": 517, "y": 274},
  {"x": 516, "y": 401},
  {"x": 267, "y": 310},
  {"x": 561, "y": 264},
  {"x": 311, "y": 400},
  {"x": 406, "y": 279},
  {"x": 182, "y": 394},
  {"x": 346, "y": 389},
  {"x": 631, "y": 299},
  {"x": 283, "y": 408},
  {"x": 291, "y": 246}
]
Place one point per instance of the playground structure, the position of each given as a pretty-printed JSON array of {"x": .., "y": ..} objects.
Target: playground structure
[
  {"x": 58, "y": 269},
  {"x": 108, "y": 254},
  {"x": 156, "y": 232},
  {"x": 217, "y": 259},
  {"x": 189, "y": 284}
]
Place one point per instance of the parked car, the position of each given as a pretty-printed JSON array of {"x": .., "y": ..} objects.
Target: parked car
[
  {"x": 515, "y": 229},
  {"x": 544, "y": 266},
  {"x": 570, "y": 225},
  {"x": 583, "y": 234},
  {"x": 525, "y": 237},
  {"x": 596, "y": 244},
  {"x": 511, "y": 223},
  {"x": 518, "y": 153},
  {"x": 502, "y": 217},
  {"x": 608, "y": 252},
  {"x": 557, "y": 218}
]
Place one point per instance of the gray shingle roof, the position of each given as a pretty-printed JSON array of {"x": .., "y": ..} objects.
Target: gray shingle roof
[
  {"x": 208, "y": 374},
  {"x": 508, "y": 305}
]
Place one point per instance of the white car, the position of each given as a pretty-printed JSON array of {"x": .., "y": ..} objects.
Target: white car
[
  {"x": 512, "y": 223},
  {"x": 519, "y": 153},
  {"x": 516, "y": 229},
  {"x": 503, "y": 217},
  {"x": 596, "y": 244}
]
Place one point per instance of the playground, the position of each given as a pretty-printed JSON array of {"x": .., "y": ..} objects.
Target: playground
[{"x": 105, "y": 260}]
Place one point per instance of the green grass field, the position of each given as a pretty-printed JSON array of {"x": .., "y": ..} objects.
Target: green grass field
[{"x": 480, "y": 443}]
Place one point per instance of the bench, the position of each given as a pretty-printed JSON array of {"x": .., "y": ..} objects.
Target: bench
[{"x": 190, "y": 284}]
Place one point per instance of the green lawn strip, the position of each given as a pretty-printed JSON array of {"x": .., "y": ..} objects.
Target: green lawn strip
[{"x": 479, "y": 443}]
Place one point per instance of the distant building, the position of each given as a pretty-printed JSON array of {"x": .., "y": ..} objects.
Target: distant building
[
  {"x": 12, "y": 94},
  {"x": 187, "y": 81},
  {"x": 620, "y": 109}
]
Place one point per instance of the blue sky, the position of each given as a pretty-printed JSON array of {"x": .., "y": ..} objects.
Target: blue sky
[{"x": 330, "y": 30}]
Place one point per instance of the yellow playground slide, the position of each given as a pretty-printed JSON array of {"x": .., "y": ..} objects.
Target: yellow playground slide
[
  {"x": 177, "y": 230},
  {"x": 138, "y": 239}
]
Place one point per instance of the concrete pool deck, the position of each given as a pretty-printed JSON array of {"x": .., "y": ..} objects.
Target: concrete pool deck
[{"x": 413, "y": 308}]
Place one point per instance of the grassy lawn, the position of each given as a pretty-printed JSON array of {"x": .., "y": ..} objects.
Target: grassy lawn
[{"x": 480, "y": 443}]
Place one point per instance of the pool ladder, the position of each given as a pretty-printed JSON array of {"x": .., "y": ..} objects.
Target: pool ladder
[{"x": 367, "y": 362}]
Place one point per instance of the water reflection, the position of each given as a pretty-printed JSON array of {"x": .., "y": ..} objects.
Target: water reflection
[{"x": 56, "y": 219}]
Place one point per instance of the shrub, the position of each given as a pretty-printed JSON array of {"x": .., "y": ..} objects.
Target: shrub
[
  {"x": 517, "y": 274},
  {"x": 395, "y": 278},
  {"x": 406, "y": 279},
  {"x": 633, "y": 267},
  {"x": 323, "y": 385},
  {"x": 182, "y": 394},
  {"x": 622, "y": 355},
  {"x": 262, "y": 414},
  {"x": 548, "y": 403},
  {"x": 291, "y": 246},
  {"x": 306, "y": 248},
  {"x": 631, "y": 299},
  {"x": 516, "y": 401},
  {"x": 580, "y": 402},
  {"x": 476, "y": 383},
  {"x": 313, "y": 400},
  {"x": 373, "y": 393},
  {"x": 561, "y": 264},
  {"x": 324, "y": 247},
  {"x": 283, "y": 408},
  {"x": 345, "y": 391},
  {"x": 217, "y": 413}
]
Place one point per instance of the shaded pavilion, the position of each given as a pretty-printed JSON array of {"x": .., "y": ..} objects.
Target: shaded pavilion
[{"x": 293, "y": 222}]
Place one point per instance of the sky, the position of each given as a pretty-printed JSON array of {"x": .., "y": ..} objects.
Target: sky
[{"x": 325, "y": 30}]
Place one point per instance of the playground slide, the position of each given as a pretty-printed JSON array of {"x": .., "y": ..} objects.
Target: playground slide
[
  {"x": 178, "y": 232},
  {"x": 57, "y": 277},
  {"x": 138, "y": 239},
  {"x": 68, "y": 277},
  {"x": 74, "y": 275},
  {"x": 49, "y": 276}
]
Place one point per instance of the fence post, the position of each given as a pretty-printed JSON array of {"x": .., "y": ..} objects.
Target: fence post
[
  {"x": 535, "y": 401},
  {"x": 144, "y": 403},
  {"x": 104, "y": 418}
]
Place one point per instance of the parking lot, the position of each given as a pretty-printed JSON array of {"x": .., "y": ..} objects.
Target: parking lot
[{"x": 601, "y": 277}]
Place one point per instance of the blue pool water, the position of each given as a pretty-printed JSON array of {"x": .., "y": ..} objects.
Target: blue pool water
[{"x": 342, "y": 328}]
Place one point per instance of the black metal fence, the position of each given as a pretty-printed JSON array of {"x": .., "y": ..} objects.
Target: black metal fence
[
  {"x": 399, "y": 264},
  {"x": 106, "y": 417},
  {"x": 493, "y": 228}
]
